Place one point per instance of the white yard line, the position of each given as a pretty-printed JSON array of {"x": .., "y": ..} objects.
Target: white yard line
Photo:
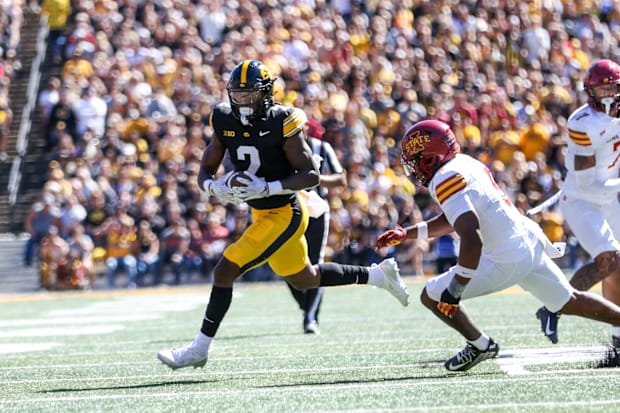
[
  {"x": 327, "y": 388},
  {"x": 99, "y": 317},
  {"x": 486, "y": 407},
  {"x": 64, "y": 332},
  {"x": 12, "y": 348},
  {"x": 516, "y": 361},
  {"x": 513, "y": 362},
  {"x": 47, "y": 321},
  {"x": 137, "y": 304},
  {"x": 465, "y": 379}
]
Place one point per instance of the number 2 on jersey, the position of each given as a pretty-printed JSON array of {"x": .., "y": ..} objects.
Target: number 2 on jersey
[{"x": 249, "y": 153}]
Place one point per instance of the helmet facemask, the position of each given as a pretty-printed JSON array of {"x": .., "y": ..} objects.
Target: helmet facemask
[
  {"x": 426, "y": 146},
  {"x": 245, "y": 103},
  {"x": 420, "y": 167},
  {"x": 606, "y": 98},
  {"x": 602, "y": 84}
]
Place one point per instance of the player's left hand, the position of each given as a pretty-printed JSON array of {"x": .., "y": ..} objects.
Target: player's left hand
[
  {"x": 391, "y": 238},
  {"x": 448, "y": 303},
  {"x": 223, "y": 192},
  {"x": 254, "y": 188}
]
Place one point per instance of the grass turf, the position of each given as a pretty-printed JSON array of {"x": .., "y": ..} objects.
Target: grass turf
[{"x": 96, "y": 352}]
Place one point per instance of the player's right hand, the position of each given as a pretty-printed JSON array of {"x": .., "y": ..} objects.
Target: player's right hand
[
  {"x": 220, "y": 190},
  {"x": 391, "y": 238},
  {"x": 254, "y": 188}
]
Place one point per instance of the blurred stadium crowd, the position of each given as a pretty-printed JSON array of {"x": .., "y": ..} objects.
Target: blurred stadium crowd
[
  {"x": 127, "y": 118},
  {"x": 11, "y": 19}
]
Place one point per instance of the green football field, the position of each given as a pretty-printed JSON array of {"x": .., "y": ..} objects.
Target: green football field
[{"x": 96, "y": 352}]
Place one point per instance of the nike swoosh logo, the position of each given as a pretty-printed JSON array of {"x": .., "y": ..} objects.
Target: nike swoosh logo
[
  {"x": 457, "y": 366},
  {"x": 264, "y": 132},
  {"x": 548, "y": 330}
]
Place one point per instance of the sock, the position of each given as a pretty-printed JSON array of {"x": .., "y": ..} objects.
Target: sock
[
  {"x": 203, "y": 341},
  {"x": 481, "y": 343},
  {"x": 312, "y": 304},
  {"x": 340, "y": 274},
  {"x": 299, "y": 296},
  {"x": 219, "y": 302},
  {"x": 375, "y": 276}
]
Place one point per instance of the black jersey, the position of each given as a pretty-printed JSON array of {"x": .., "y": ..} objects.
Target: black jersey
[{"x": 258, "y": 148}]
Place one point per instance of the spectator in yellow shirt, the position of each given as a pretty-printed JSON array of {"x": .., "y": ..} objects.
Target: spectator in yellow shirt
[
  {"x": 534, "y": 137},
  {"x": 122, "y": 248},
  {"x": 57, "y": 12},
  {"x": 77, "y": 70}
]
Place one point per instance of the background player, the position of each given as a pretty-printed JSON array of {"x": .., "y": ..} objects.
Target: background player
[
  {"x": 332, "y": 175},
  {"x": 589, "y": 195}
]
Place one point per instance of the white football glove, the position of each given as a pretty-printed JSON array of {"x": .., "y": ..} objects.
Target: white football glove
[
  {"x": 220, "y": 190},
  {"x": 254, "y": 188}
]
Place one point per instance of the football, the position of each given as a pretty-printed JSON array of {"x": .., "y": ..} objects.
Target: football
[{"x": 233, "y": 180}]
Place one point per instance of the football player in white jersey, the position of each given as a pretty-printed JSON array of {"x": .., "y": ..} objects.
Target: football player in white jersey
[
  {"x": 499, "y": 247},
  {"x": 589, "y": 196}
]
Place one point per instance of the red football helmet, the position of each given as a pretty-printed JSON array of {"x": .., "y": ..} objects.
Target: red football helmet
[
  {"x": 426, "y": 146},
  {"x": 602, "y": 84}
]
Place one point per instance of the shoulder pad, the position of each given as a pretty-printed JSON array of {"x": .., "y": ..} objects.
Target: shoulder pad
[
  {"x": 449, "y": 186},
  {"x": 294, "y": 122},
  {"x": 221, "y": 109},
  {"x": 580, "y": 123},
  {"x": 579, "y": 138}
]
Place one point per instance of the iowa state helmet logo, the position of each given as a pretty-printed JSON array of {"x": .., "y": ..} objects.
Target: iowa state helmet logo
[{"x": 416, "y": 142}]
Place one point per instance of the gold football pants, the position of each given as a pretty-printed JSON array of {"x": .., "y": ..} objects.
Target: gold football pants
[{"x": 275, "y": 236}]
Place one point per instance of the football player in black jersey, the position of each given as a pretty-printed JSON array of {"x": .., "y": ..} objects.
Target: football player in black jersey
[
  {"x": 266, "y": 141},
  {"x": 331, "y": 176}
]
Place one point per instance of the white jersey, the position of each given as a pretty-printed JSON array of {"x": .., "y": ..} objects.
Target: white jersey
[
  {"x": 465, "y": 184},
  {"x": 513, "y": 246},
  {"x": 592, "y": 133}
]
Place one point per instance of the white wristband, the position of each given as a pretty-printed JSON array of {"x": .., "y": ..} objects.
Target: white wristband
[
  {"x": 464, "y": 271},
  {"x": 422, "y": 228},
  {"x": 275, "y": 187}
]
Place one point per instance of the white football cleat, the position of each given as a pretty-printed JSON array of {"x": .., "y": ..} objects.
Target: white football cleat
[
  {"x": 191, "y": 355},
  {"x": 392, "y": 281}
]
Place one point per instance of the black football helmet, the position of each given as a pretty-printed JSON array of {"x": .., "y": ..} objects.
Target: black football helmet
[{"x": 250, "y": 90}]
